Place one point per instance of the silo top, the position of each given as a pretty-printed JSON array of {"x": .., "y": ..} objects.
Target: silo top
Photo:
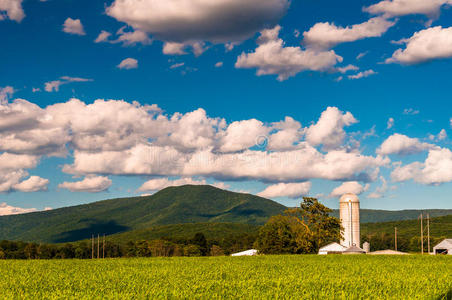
[{"x": 349, "y": 197}]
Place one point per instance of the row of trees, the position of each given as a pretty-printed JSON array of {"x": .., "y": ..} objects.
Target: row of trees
[{"x": 198, "y": 245}]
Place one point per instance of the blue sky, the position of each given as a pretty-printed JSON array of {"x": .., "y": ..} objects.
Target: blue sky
[{"x": 220, "y": 89}]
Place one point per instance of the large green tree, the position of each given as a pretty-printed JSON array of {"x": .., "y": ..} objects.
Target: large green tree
[{"x": 300, "y": 230}]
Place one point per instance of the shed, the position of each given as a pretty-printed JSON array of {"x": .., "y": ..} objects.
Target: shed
[
  {"x": 333, "y": 248},
  {"x": 250, "y": 252},
  {"x": 445, "y": 247},
  {"x": 387, "y": 252}
]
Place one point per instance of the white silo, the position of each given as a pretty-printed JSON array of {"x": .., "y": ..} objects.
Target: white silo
[{"x": 349, "y": 215}]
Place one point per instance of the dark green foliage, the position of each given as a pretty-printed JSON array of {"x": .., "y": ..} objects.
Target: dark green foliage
[
  {"x": 277, "y": 236},
  {"x": 200, "y": 240},
  {"x": 300, "y": 230},
  {"x": 173, "y": 205}
]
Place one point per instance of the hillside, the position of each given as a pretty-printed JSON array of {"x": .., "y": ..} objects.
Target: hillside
[
  {"x": 173, "y": 205},
  {"x": 439, "y": 227},
  {"x": 212, "y": 231},
  {"x": 372, "y": 215}
]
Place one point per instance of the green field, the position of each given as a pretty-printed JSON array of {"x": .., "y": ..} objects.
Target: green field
[{"x": 261, "y": 277}]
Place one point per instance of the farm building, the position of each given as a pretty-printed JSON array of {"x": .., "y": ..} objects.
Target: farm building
[
  {"x": 445, "y": 247},
  {"x": 387, "y": 252},
  {"x": 250, "y": 252},
  {"x": 333, "y": 248}
]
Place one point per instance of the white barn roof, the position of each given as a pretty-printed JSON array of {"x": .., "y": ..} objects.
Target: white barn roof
[
  {"x": 250, "y": 252},
  {"x": 332, "y": 248}
]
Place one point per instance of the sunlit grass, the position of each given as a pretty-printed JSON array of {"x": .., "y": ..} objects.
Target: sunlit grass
[{"x": 262, "y": 277}]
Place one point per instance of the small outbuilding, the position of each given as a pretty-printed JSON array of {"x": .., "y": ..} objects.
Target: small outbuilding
[
  {"x": 333, "y": 248},
  {"x": 250, "y": 252},
  {"x": 445, "y": 247},
  {"x": 387, "y": 252}
]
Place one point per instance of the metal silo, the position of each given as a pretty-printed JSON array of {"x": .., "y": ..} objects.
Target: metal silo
[{"x": 349, "y": 215}]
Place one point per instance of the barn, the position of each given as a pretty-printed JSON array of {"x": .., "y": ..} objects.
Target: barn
[
  {"x": 333, "y": 248},
  {"x": 445, "y": 247}
]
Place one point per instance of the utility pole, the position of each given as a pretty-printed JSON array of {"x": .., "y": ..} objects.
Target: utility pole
[
  {"x": 98, "y": 238},
  {"x": 422, "y": 236},
  {"x": 92, "y": 246},
  {"x": 395, "y": 237},
  {"x": 428, "y": 232},
  {"x": 103, "y": 247}
]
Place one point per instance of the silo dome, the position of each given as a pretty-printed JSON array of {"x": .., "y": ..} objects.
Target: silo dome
[{"x": 349, "y": 197}]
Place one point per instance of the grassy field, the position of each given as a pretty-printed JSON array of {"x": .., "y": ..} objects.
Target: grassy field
[{"x": 262, "y": 277}]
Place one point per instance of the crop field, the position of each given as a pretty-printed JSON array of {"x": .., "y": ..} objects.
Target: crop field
[{"x": 261, "y": 277}]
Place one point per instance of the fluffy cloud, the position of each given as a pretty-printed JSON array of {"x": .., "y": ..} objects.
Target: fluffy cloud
[
  {"x": 173, "y": 48},
  {"x": 391, "y": 8},
  {"x": 425, "y": 45},
  {"x": 73, "y": 26},
  {"x": 198, "y": 20},
  {"x": 363, "y": 74},
  {"x": 329, "y": 130},
  {"x": 288, "y": 134},
  {"x": 291, "y": 190},
  {"x": 102, "y": 37},
  {"x": 436, "y": 169},
  {"x": 272, "y": 57},
  {"x": 353, "y": 187},
  {"x": 242, "y": 135},
  {"x": 326, "y": 35},
  {"x": 300, "y": 164},
  {"x": 11, "y": 9},
  {"x": 32, "y": 184},
  {"x": 402, "y": 145},
  {"x": 6, "y": 210},
  {"x": 128, "y": 63},
  {"x": 347, "y": 68},
  {"x": 90, "y": 184},
  {"x": 55, "y": 84},
  {"x": 117, "y": 137}
]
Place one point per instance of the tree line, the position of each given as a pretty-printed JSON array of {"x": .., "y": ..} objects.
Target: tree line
[{"x": 300, "y": 230}]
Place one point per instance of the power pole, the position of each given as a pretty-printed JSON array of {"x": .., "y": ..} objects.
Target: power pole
[
  {"x": 98, "y": 238},
  {"x": 395, "y": 237},
  {"x": 92, "y": 246},
  {"x": 422, "y": 236},
  {"x": 103, "y": 247},
  {"x": 428, "y": 232}
]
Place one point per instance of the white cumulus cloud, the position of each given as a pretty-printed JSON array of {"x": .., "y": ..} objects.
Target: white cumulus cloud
[
  {"x": 271, "y": 57},
  {"x": 199, "y": 20},
  {"x": 11, "y": 9},
  {"x": 392, "y": 8},
  {"x": 329, "y": 129},
  {"x": 402, "y": 145},
  {"x": 128, "y": 63},
  {"x": 425, "y": 45},
  {"x": 73, "y": 26},
  {"x": 326, "y": 35},
  {"x": 353, "y": 187},
  {"x": 90, "y": 184},
  {"x": 291, "y": 190}
]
